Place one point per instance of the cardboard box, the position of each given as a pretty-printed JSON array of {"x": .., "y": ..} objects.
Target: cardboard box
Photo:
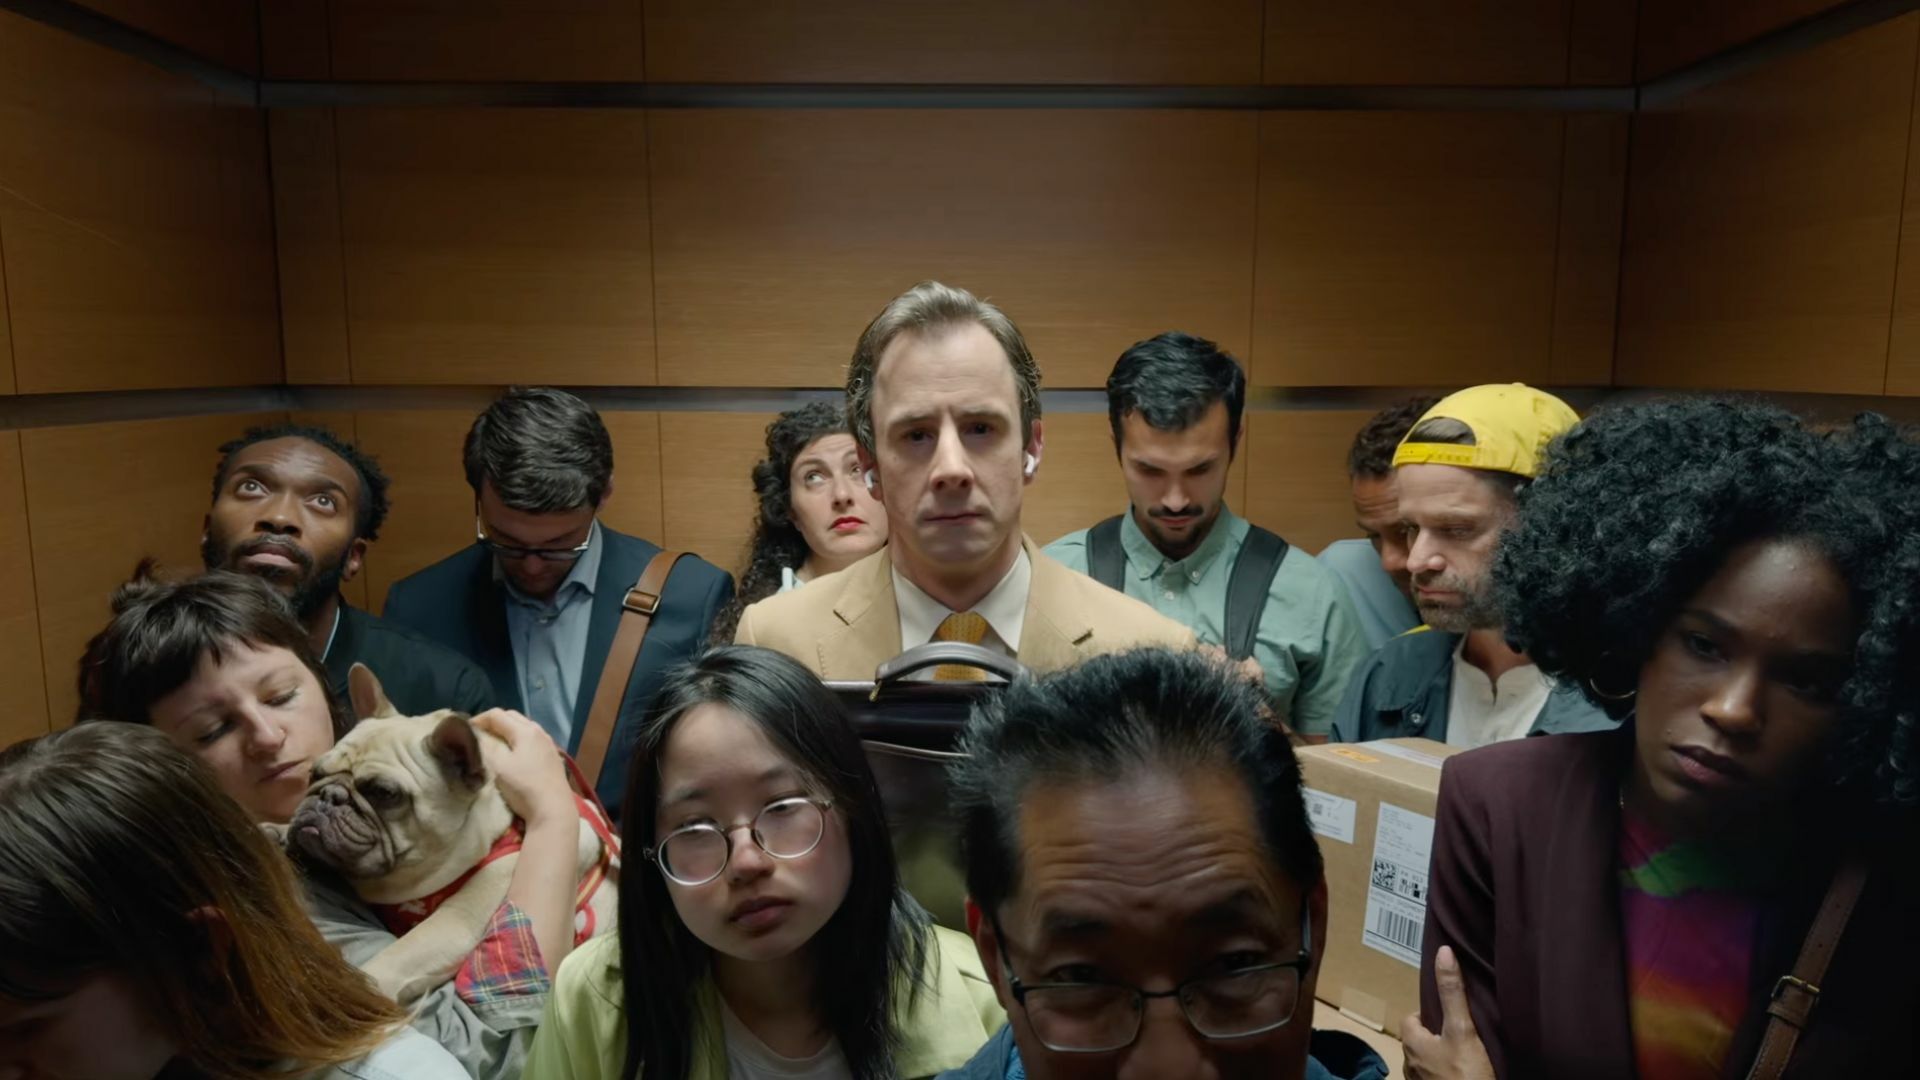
[{"x": 1372, "y": 808}]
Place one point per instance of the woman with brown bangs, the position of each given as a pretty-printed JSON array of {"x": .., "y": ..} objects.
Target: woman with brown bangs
[{"x": 148, "y": 928}]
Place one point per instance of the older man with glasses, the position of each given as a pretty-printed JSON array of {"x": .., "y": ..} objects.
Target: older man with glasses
[
  {"x": 537, "y": 600},
  {"x": 1144, "y": 889}
]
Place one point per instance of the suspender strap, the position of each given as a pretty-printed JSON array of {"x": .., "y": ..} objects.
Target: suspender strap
[
  {"x": 1795, "y": 995},
  {"x": 1106, "y": 557},
  {"x": 636, "y": 614},
  {"x": 1248, "y": 587}
]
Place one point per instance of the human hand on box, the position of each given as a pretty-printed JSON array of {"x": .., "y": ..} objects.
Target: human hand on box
[{"x": 1455, "y": 1051}]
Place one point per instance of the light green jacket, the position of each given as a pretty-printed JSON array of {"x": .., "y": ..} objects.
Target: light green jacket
[{"x": 584, "y": 1034}]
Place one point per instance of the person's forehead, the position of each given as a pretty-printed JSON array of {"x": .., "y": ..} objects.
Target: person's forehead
[
  {"x": 1432, "y": 489},
  {"x": 296, "y": 457},
  {"x": 1160, "y": 843},
  {"x": 1205, "y": 437},
  {"x": 828, "y": 447},
  {"x": 957, "y": 366}
]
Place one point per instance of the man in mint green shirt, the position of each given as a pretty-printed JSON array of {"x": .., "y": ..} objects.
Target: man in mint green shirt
[{"x": 1175, "y": 404}]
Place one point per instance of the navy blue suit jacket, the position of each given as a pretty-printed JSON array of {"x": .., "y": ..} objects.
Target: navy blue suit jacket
[{"x": 457, "y": 602}]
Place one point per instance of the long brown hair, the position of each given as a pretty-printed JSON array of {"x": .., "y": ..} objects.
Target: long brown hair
[{"x": 119, "y": 853}]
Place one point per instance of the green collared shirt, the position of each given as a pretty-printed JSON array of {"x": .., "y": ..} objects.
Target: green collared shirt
[{"x": 1309, "y": 641}]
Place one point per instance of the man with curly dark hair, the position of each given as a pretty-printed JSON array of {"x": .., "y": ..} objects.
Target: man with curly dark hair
[
  {"x": 1636, "y": 901},
  {"x": 815, "y": 514},
  {"x": 297, "y": 506},
  {"x": 1374, "y": 569},
  {"x": 1457, "y": 679}
]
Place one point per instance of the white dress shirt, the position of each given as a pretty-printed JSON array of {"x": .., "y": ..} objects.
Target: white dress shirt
[
  {"x": 1004, "y": 608},
  {"x": 1481, "y": 712}
]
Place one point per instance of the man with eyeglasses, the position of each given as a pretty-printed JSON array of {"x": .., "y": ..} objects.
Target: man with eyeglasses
[
  {"x": 1143, "y": 886},
  {"x": 297, "y": 506},
  {"x": 536, "y": 600}
]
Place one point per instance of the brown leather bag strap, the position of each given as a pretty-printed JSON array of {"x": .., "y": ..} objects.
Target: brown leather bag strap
[
  {"x": 636, "y": 614},
  {"x": 1795, "y": 995}
]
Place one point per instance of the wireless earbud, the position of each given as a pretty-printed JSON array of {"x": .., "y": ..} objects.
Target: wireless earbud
[
  {"x": 869, "y": 479},
  {"x": 1032, "y": 464}
]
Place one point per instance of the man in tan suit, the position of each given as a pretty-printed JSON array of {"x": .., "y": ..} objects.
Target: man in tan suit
[{"x": 944, "y": 401}]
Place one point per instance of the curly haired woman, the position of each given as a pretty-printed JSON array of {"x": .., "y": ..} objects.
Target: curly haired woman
[
  {"x": 816, "y": 515},
  {"x": 1633, "y": 903}
]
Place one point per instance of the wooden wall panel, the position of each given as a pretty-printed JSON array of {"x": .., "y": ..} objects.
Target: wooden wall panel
[
  {"x": 224, "y": 31},
  {"x": 103, "y": 496},
  {"x": 6, "y": 335},
  {"x": 432, "y": 513},
  {"x": 1015, "y": 41},
  {"x": 500, "y": 40},
  {"x": 23, "y": 681},
  {"x": 1418, "y": 42},
  {"x": 1903, "y": 350},
  {"x": 293, "y": 40},
  {"x": 706, "y": 486},
  {"x": 779, "y": 235},
  {"x": 1587, "y": 261},
  {"x": 125, "y": 198},
  {"x": 313, "y": 276},
  {"x": 497, "y": 245},
  {"x": 1672, "y": 35},
  {"x": 1297, "y": 474},
  {"x": 1600, "y": 45},
  {"x": 1762, "y": 223},
  {"x": 1405, "y": 248}
]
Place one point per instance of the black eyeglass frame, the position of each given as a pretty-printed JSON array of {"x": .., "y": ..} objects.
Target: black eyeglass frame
[
  {"x": 508, "y": 551},
  {"x": 1021, "y": 989}
]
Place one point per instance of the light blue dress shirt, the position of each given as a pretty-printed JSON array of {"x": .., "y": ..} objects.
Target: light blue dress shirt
[
  {"x": 1308, "y": 642},
  {"x": 550, "y": 641}
]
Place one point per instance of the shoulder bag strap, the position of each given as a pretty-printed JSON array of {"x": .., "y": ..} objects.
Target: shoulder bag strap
[
  {"x": 1247, "y": 588},
  {"x": 1106, "y": 556},
  {"x": 1795, "y": 995},
  {"x": 636, "y": 614}
]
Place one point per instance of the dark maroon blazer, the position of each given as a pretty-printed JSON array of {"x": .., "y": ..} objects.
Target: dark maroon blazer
[{"x": 1525, "y": 886}]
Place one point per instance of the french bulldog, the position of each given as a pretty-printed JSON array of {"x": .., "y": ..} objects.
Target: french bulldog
[{"x": 406, "y": 810}]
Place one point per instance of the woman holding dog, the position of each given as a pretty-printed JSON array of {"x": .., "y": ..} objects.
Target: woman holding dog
[
  {"x": 149, "y": 928},
  {"x": 219, "y": 666},
  {"x": 763, "y": 928},
  {"x": 1645, "y": 902}
]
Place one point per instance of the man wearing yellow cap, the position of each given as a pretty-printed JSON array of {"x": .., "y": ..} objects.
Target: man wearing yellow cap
[{"x": 1455, "y": 679}]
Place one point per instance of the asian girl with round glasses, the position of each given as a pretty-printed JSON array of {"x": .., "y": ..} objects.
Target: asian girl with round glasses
[{"x": 764, "y": 931}]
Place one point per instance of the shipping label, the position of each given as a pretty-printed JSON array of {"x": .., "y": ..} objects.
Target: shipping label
[{"x": 1397, "y": 886}]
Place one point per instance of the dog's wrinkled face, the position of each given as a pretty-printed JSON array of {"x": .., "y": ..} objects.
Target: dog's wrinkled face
[
  {"x": 395, "y": 788},
  {"x": 402, "y": 805}
]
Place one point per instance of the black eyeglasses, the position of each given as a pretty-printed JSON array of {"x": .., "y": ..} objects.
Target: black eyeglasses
[
  {"x": 1102, "y": 1017},
  {"x": 508, "y": 551}
]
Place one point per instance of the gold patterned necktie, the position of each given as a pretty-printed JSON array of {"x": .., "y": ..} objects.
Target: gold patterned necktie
[{"x": 967, "y": 626}]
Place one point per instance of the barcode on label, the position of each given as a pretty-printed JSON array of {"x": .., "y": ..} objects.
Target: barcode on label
[{"x": 1397, "y": 928}]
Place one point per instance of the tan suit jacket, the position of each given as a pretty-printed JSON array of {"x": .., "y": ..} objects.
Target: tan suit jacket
[{"x": 846, "y": 625}]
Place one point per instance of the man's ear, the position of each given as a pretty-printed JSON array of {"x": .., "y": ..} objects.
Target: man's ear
[
  {"x": 1316, "y": 902},
  {"x": 987, "y": 944},
  {"x": 355, "y": 560},
  {"x": 454, "y": 745},
  {"x": 1036, "y": 445},
  {"x": 869, "y": 468},
  {"x": 364, "y": 691}
]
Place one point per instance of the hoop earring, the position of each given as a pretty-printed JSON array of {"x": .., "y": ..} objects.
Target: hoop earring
[{"x": 1599, "y": 693}]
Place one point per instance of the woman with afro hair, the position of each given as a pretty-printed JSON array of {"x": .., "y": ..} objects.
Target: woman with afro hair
[
  {"x": 1745, "y": 592},
  {"x": 815, "y": 513}
]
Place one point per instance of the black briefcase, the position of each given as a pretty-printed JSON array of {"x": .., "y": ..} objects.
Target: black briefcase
[{"x": 910, "y": 728}]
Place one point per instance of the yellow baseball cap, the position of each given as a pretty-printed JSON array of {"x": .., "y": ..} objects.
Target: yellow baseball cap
[{"x": 1512, "y": 423}]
